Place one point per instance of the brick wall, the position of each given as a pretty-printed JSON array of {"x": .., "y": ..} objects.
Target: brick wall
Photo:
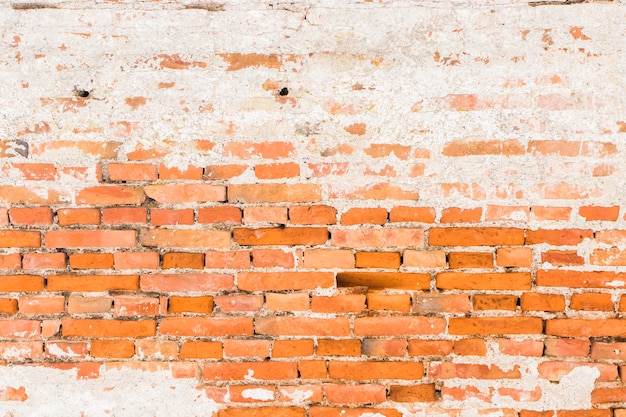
[{"x": 321, "y": 209}]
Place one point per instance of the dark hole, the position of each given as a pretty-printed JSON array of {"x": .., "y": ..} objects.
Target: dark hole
[
  {"x": 283, "y": 91},
  {"x": 82, "y": 93}
]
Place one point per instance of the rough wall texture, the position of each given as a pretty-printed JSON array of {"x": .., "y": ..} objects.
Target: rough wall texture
[{"x": 324, "y": 209}]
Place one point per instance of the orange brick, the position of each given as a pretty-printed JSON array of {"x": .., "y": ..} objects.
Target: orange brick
[
  {"x": 601, "y": 350},
  {"x": 557, "y": 237},
  {"x": 382, "y": 150},
  {"x": 542, "y": 302},
  {"x": 136, "y": 260},
  {"x": 250, "y": 393},
  {"x": 19, "y": 239},
  {"x": 124, "y": 215},
  {"x": 364, "y": 216},
  {"x": 384, "y": 280},
  {"x": 396, "y": 326},
  {"x": 391, "y": 302},
  {"x": 182, "y": 238},
  {"x": 287, "y": 302},
  {"x": 591, "y": 213},
  {"x": 439, "y": 303},
  {"x": 227, "y": 260},
  {"x": 281, "y": 236},
  {"x": 475, "y": 236},
  {"x": 110, "y": 195},
  {"x": 464, "y": 147},
  {"x": 84, "y": 305},
  {"x": 508, "y": 213},
  {"x": 262, "y": 412},
  {"x": 8, "y": 306},
  {"x": 274, "y": 193},
  {"x": 224, "y": 214},
  {"x": 292, "y": 348},
  {"x": 189, "y": 173},
  {"x": 21, "y": 283},
  {"x": 302, "y": 326},
  {"x": 29, "y": 350},
  {"x": 206, "y": 326},
  {"x": 43, "y": 261},
  {"x": 239, "y": 302},
  {"x": 247, "y": 348},
  {"x": 112, "y": 348},
  {"x": 91, "y": 261},
  {"x": 580, "y": 279},
  {"x": 269, "y": 370},
  {"x": 132, "y": 172},
  {"x": 11, "y": 261},
  {"x": 459, "y": 260},
  {"x": 275, "y": 171},
  {"x": 41, "y": 305},
  {"x": 186, "y": 193},
  {"x": 495, "y": 325},
  {"x": 66, "y": 350},
  {"x": 424, "y": 258},
  {"x": 467, "y": 347},
  {"x": 265, "y": 214},
  {"x": 412, "y": 393},
  {"x": 608, "y": 395},
  {"x": 448, "y": 370},
  {"x": 136, "y": 306},
  {"x": 494, "y": 302},
  {"x": 318, "y": 411},
  {"x": 90, "y": 239},
  {"x": 412, "y": 214},
  {"x": 429, "y": 347},
  {"x": 457, "y": 215},
  {"x": 223, "y": 172},
  {"x": 156, "y": 349},
  {"x": 566, "y": 258},
  {"x": 30, "y": 216},
  {"x": 388, "y": 260},
  {"x": 512, "y": 257},
  {"x": 92, "y": 283},
  {"x": 567, "y": 347},
  {"x": 486, "y": 281},
  {"x": 201, "y": 304},
  {"x": 269, "y": 258},
  {"x": 592, "y": 301},
  {"x": 266, "y": 150},
  {"x": 331, "y": 347},
  {"x": 387, "y": 238},
  {"x": 193, "y": 349},
  {"x": 311, "y": 215},
  {"x": 343, "y": 303},
  {"x": 520, "y": 347},
  {"x": 70, "y": 217},
  {"x": 363, "y": 370},
  {"x": 283, "y": 281},
  {"x": 107, "y": 328},
  {"x": 551, "y": 213},
  {"x": 585, "y": 327},
  {"x": 161, "y": 217},
  {"x": 554, "y": 371},
  {"x": 384, "y": 347},
  {"x": 355, "y": 394},
  {"x": 184, "y": 260},
  {"x": 36, "y": 172},
  {"x": 187, "y": 282},
  {"x": 328, "y": 258},
  {"x": 605, "y": 257},
  {"x": 290, "y": 394}
]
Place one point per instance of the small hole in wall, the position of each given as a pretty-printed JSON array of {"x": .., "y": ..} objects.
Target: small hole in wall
[
  {"x": 79, "y": 92},
  {"x": 283, "y": 91}
]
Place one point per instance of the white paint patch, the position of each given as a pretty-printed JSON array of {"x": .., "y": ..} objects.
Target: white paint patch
[
  {"x": 57, "y": 393},
  {"x": 474, "y": 413},
  {"x": 297, "y": 396},
  {"x": 249, "y": 376},
  {"x": 55, "y": 350},
  {"x": 260, "y": 394},
  {"x": 372, "y": 415},
  {"x": 615, "y": 283}
]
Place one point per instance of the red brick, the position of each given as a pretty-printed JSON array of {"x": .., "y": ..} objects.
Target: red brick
[
  {"x": 156, "y": 349},
  {"x": 24, "y": 350},
  {"x": 412, "y": 393},
  {"x": 318, "y": 411},
  {"x": 227, "y": 260},
  {"x": 91, "y": 261},
  {"x": 429, "y": 347},
  {"x": 281, "y": 236},
  {"x": 284, "y": 281},
  {"x": 566, "y": 258},
  {"x": 223, "y": 172},
  {"x": 41, "y": 305},
  {"x": 266, "y": 150},
  {"x": 396, "y": 326},
  {"x": 302, "y": 326},
  {"x": 223, "y": 214},
  {"x": 112, "y": 348},
  {"x": 592, "y": 302},
  {"x": 247, "y": 348},
  {"x": 469, "y": 347},
  {"x": 464, "y": 147},
  {"x": 19, "y": 239},
  {"x": 200, "y": 350},
  {"x": 486, "y": 281},
  {"x": 110, "y": 195},
  {"x": 514, "y": 257},
  {"x": 35, "y": 172},
  {"x": 124, "y": 215},
  {"x": 460, "y": 260},
  {"x": 239, "y": 302},
  {"x": 551, "y": 213},
  {"x": 475, "y": 236},
  {"x": 187, "y": 282},
  {"x": 355, "y": 394},
  {"x": 580, "y": 279},
  {"x": 375, "y": 370},
  {"x": 206, "y": 326},
  {"x": 269, "y": 370},
  {"x": 567, "y": 347},
  {"x": 611, "y": 237},
  {"x": 107, "y": 328},
  {"x": 412, "y": 214},
  {"x": 495, "y": 325},
  {"x": 265, "y": 214},
  {"x": 384, "y": 280},
  {"x": 384, "y": 348},
  {"x": 520, "y": 347},
  {"x": 66, "y": 350},
  {"x": 608, "y": 395},
  {"x": 8, "y": 306},
  {"x": 458, "y": 215},
  {"x": 440, "y": 303},
  {"x": 591, "y": 213},
  {"x": 186, "y": 193},
  {"x": 542, "y": 302},
  {"x": 189, "y": 173},
  {"x": 508, "y": 213},
  {"x": 262, "y": 412},
  {"x": 557, "y": 237},
  {"x": 494, "y": 302},
  {"x": 586, "y": 328},
  {"x": 10, "y": 194},
  {"x": 291, "y": 394},
  {"x": 92, "y": 283},
  {"x": 328, "y": 258},
  {"x": 136, "y": 260},
  {"x": 43, "y": 261},
  {"x": 132, "y": 172},
  {"x": 185, "y": 260},
  {"x": 201, "y": 304},
  {"x": 292, "y": 348},
  {"x": 287, "y": 302},
  {"x": 83, "y": 305},
  {"x": 390, "y": 302},
  {"x": 342, "y": 303},
  {"x": 331, "y": 347},
  {"x": 182, "y": 238},
  {"x": 21, "y": 283},
  {"x": 374, "y": 238},
  {"x": 136, "y": 306},
  {"x": 424, "y": 258},
  {"x": 70, "y": 217},
  {"x": 554, "y": 371},
  {"x": 269, "y": 258},
  {"x": 364, "y": 216},
  {"x": 274, "y": 193},
  {"x": 310, "y": 215},
  {"x": 388, "y": 260},
  {"x": 160, "y": 217},
  {"x": 275, "y": 171},
  {"x": 30, "y": 216},
  {"x": 447, "y": 370},
  {"x": 609, "y": 350},
  {"x": 90, "y": 239}
]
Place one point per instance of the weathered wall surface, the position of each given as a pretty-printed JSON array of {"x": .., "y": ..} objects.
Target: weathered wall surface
[{"x": 427, "y": 221}]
